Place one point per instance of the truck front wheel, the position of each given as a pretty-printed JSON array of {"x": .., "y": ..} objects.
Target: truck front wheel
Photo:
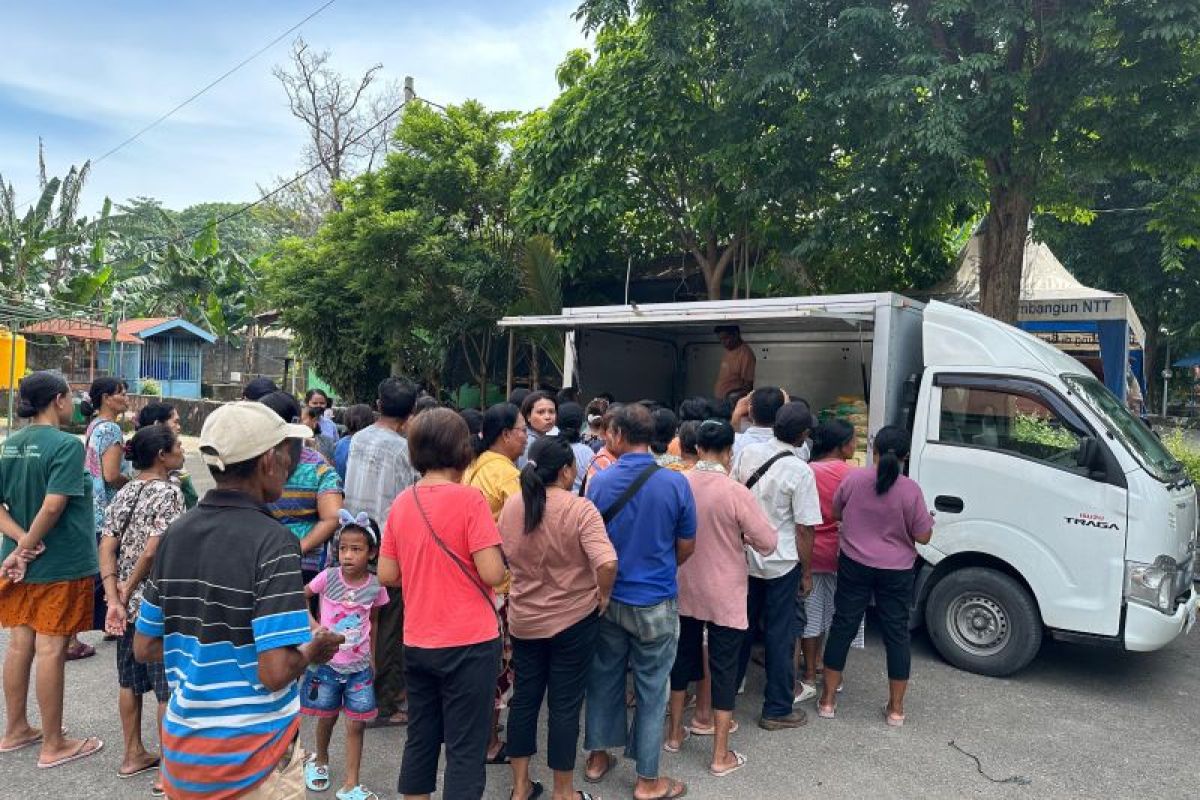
[{"x": 983, "y": 621}]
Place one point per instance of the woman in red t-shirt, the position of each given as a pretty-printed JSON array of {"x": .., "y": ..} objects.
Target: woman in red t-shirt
[
  {"x": 833, "y": 445},
  {"x": 441, "y": 547}
]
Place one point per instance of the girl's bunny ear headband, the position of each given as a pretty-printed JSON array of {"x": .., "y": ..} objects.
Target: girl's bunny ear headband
[{"x": 360, "y": 520}]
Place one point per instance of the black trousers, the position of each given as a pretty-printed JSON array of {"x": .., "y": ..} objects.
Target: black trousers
[
  {"x": 724, "y": 647},
  {"x": 450, "y": 693},
  {"x": 893, "y": 590},
  {"x": 558, "y": 668},
  {"x": 389, "y": 655}
]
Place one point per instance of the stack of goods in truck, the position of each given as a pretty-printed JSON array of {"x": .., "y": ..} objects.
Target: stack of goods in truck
[{"x": 852, "y": 409}]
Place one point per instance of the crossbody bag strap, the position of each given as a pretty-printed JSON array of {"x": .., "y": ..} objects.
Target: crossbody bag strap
[
  {"x": 761, "y": 471},
  {"x": 474, "y": 578},
  {"x": 640, "y": 481}
]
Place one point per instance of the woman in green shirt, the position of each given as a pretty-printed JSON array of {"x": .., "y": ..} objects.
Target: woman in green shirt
[{"x": 49, "y": 564}]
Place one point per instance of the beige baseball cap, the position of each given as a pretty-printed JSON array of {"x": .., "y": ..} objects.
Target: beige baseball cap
[{"x": 238, "y": 432}]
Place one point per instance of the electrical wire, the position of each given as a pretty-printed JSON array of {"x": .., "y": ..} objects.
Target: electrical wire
[{"x": 164, "y": 117}]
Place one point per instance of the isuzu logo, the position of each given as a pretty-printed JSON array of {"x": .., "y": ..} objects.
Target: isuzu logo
[{"x": 1086, "y": 520}]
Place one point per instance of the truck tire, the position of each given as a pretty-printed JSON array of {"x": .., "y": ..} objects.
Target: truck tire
[{"x": 983, "y": 621}]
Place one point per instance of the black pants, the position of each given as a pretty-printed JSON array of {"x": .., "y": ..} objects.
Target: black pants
[
  {"x": 893, "y": 590},
  {"x": 389, "y": 655},
  {"x": 774, "y": 600},
  {"x": 450, "y": 693},
  {"x": 724, "y": 647},
  {"x": 556, "y": 667}
]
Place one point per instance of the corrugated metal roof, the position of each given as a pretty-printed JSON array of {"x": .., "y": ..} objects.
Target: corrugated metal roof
[{"x": 76, "y": 329}]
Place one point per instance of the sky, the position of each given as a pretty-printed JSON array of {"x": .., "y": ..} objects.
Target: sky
[{"x": 84, "y": 76}]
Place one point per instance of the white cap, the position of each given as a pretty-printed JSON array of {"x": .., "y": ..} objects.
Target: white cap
[{"x": 241, "y": 431}]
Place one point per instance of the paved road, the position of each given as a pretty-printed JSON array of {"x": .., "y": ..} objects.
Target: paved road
[{"x": 1079, "y": 723}]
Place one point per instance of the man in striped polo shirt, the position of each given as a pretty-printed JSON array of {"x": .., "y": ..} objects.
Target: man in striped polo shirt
[{"x": 224, "y": 609}]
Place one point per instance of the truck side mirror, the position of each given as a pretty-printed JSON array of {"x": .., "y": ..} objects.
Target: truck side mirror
[{"x": 1090, "y": 456}]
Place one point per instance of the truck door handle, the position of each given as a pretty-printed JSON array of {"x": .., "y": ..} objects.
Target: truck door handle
[{"x": 951, "y": 505}]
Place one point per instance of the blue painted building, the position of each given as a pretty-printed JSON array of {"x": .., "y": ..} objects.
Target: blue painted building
[{"x": 170, "y": 352}]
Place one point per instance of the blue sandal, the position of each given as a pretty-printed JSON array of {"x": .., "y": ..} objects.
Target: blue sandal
[
  {"x": 316, "y": 776},
  {"x": 359, "y": 792}
]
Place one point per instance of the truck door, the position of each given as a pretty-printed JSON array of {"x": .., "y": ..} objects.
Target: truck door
[{"x": 998, "y": 463}]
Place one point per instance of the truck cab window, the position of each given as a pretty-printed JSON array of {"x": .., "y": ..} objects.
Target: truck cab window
[{"x": 1012, "y": 422}]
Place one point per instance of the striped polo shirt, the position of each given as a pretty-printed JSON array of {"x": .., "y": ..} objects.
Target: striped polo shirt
[{"x": 225, "y": 587}]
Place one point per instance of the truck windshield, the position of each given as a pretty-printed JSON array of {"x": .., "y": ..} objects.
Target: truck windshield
[{"x": 1130, "y": 431}]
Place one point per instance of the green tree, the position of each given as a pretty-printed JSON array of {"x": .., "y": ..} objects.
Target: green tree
[
  {"x": 417, "y": 265},
  {"x": 1022, "y": 96}
]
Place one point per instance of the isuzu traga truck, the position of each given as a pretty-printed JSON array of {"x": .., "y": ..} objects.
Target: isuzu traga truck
[{"x": 1057, "y": 511}]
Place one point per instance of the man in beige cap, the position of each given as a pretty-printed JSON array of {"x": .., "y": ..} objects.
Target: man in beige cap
[{"x": 225, "y": 604}]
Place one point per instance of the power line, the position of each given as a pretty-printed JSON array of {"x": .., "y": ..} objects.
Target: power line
[
  {"x": 299, "y": 176},
  {"x": 164, "y": 117}
]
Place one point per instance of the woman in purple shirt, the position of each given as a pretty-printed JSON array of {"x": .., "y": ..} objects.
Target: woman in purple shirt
[{"x": 883, "y": 516}]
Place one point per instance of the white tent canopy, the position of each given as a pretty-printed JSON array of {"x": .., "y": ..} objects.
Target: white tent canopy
[{"x": 1049, "y": 293}]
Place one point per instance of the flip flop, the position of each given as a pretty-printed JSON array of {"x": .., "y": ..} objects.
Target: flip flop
[
  {"x": 157, "y": 791},
  {"x": 670, "y": 748},
  {"x": 359, "y": 792},
  {"x": 610, "y": 760},
  {"x": 82, "y": 752},
  {"x": 387, "y": 722},
  {"x": 535, "y": 790},
  {"x": 27, "y": 743},
  {"x": 711, "y": 730},
  {"x": 670, "y": 794},
  {"x": 739, "y": 762},
  {"x": 586, "y": 795},
  {"x": 79, "y": 652},
  {"x": 826, "y": 712},
  {"x": 153, "y": 765},
  {"x": 893, "y": 720}
]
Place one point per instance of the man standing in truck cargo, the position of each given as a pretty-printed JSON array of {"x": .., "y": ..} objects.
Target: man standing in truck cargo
[{"x": 737, "y": 365}]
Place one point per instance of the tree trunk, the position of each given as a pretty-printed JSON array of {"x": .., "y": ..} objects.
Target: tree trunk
[{"x": 1003, "y": 253}]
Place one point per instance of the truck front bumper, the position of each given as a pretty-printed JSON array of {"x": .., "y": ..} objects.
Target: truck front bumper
[{"x": 1147, "y": 629}]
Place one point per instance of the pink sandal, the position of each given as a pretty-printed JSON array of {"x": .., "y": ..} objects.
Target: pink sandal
[
  {"x": 893, "y": 720},
  {"x": 826, "y": 712}
]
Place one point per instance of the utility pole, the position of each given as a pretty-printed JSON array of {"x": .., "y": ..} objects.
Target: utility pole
[{"x": 410, "y": 93}]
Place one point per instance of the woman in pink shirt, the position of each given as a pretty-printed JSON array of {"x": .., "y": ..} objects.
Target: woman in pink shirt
[
  {"x": 563, "y": 567},
  {"x": 833, "y": 445},
  {"x": 712, "y": 588},
  {"x": 883, "y": 517}
]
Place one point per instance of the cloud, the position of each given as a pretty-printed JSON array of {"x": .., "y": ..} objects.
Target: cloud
[{"x": 87, "y": 76}]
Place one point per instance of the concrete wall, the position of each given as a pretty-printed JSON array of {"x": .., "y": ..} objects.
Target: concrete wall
[{"x": 192, "y": 413}]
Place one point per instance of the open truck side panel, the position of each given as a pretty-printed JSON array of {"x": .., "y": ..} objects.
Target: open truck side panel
[{"x": 1056, "y": 510}]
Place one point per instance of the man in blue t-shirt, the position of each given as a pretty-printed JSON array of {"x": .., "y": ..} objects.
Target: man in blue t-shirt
[{"x": 653, "y": 531}]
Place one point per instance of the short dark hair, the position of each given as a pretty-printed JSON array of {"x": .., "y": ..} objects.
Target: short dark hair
[
  {"x": 439, "y": 439},
  {"x": 532, "y": 399},
  {"x": 259, "y": 388},
  {"x": 697, "y": 409},
  {"x": 567, "y": 394},
  {"x": 665, "y": 426},
  {"x": 714, "y": 435},
  {"x": 734, "y": 329},
  {"x": 793, "y": 421},
  {"x": 39, "y": 390},
  {"x": 765, "y": 402},
  {"x": 397, "y": 396},
  {"x": 358, "y": 417},
  {"x": 148, "y": 442},
  {"x": 155, "y": 413},
  {"x": 283, "y": 404},
  {"x": 517, "y": 396},
  {"x": 425, "y": 403},
  {"x": 633, "y": 421}
]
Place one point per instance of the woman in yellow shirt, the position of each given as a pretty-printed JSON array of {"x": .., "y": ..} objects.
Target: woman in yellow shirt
[{"x": 494, "y": 473}]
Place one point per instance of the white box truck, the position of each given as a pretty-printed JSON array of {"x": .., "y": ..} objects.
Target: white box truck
[{"x": 1057, "y": 511}]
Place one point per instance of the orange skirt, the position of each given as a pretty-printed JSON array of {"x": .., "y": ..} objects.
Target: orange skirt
[{"x": 51, "y": 609}]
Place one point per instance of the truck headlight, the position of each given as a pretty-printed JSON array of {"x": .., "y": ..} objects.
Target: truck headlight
[{"x": 1152, "y": 584}]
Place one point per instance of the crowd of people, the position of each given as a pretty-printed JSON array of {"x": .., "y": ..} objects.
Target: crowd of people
[{"x": 615, "y": 562}]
